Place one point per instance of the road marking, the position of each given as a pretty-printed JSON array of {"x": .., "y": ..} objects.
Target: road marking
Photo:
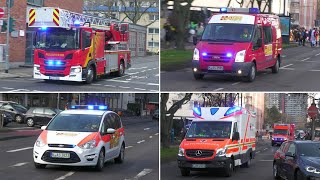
[
  {"x": 195, "y": 177},
  {"x": 317, "y": 54},
  {"x": 219, "y": 89},
  {"x": 20, "y": 164},
  {"x": 143, "y": 71},
  {"x": 7, "y": 88},
  {"x": 141, "y": 141},
  {"x": 305, "y": 59},
  {"x": 157, "y": 68},
  {"x": 139, "y": 68},
  {"x": 267, "y": 160},
  {"x": 16, "y": 150},
  {"x": 129, "y": 147},
  {"x": 118, "y": 81},
  {"x": 65, "y": 176},
  {"x": 124, "y": 87},
  {"x": 140, "y": 89},
  {"x": 315, "y": 70},
  {"x": 146, "y": 129},
  {"x": 157, "y": 75},
  {"x": 265, "y": 149},
  {"x": 20, "y": 90},
  {"x": 152, "y": 84},
  {"x": 288, "y": 69},
  {"x": 143, "y": 173},
  {"x": 154, "y": 90},
  {"x": 257, "y": 152},
  {"x": 109, "y": 86},
  {"x": 133, "y": 73},
  {"x": 156, "y": 134},
  {"x": 235, "y": 83},
  {"x": 286, "y": 66},
  {"x": 96, "y": 84},
  {"x": 22, "y": 128}
]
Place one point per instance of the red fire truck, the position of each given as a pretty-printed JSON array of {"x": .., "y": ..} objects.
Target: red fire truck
[{"x": 76, "y": 47}]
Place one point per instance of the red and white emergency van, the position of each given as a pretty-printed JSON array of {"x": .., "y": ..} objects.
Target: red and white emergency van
[
  {"x": 219, "y": 138},
  {"x": 282, "y": 132},
  {"x": 239, "y": 42}
]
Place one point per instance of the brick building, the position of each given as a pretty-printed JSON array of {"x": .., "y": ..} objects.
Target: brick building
[{"x": 21, "y": 47}]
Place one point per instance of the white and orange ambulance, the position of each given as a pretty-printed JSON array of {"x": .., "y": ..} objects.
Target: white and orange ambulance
[
  {"x": 83, "y": 136},
  {"x": 219, "y": 138}
]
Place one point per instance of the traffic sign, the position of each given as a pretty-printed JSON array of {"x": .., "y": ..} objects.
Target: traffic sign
[
  {"x": 313, "y": 111},
  {"x": 1, "y": 13}
]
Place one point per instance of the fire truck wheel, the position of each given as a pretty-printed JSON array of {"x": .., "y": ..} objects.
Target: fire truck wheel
[
  {"x": 229, "y": 168},
  {"x": 198, "y": 76},
  {"x": 90, "y": 75},
  {"x": 252, "y": 73},
  {"x": 185, "y": 171},
  {"x": 275, "y": 68},
  {"x": 121, "y": 69}
]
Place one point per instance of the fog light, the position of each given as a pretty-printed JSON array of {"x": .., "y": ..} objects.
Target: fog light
[
  {"x": 239, "y": 71},
  {"x": 195, "y": 69}
]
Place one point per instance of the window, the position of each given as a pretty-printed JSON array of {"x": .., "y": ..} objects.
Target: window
[
  {"x": 153, "y": 44},
  {"x": 153, "y": 17},
  {"x": 38, "y": 111},
  {"x": 87, "y": 40},
  {"x": 35, "y": 2},
  {"x": 267, "y": 34},
  {"x": 235, "y": 127},
  {"x": 292, "y": 149},
  {"x": 7, "y": 106},
  {"x": 49, "y": 112},
  {"x": 117, "y": 121},
  {"x": 153, "y": 30},
  {"x": 257, "y": 35}
]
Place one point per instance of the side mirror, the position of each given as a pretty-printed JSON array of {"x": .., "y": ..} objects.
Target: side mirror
[
  {"x": 11, "y": 109},
  {"x": 259, "y": 42},
  {"x": 43, "y": 127},
  {"x": 235, "y": 136},
  {"x": 110, "y": 131}
]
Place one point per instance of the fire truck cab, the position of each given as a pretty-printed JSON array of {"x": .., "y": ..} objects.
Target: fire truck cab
[
  {"x": 219, "y": 138},
  {"x": 238, "y": 42},
  {"x": 76, "y": 47}
]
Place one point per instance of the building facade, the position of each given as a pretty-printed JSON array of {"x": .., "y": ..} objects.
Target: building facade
[
  {"x": 304, "y": 13},
  {"x": 272, "y": 99}
]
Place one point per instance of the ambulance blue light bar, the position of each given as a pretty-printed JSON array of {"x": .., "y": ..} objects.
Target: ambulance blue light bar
[
  {"x": 214, "y": 111},
  {"x": 90, "y": 107},
  {"x": 197, "y": 111},
  {"x": 240, "y": 10},
  {"x": 233, "y": 110}
]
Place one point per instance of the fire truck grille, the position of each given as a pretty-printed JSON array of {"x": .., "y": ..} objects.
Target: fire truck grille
[
  {"x": 214, "y": 57},
  {"x": 199, "y": 153},
  {"x": 62, "y": 145},
  {"x": 74, "y": 158},
  {"x": 58, "y": 68}
]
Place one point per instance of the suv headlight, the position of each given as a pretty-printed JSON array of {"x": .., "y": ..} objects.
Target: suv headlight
[
  {"x": 181, "y": 152},
  {"x": 221, "y": 152},
  {"x": 240, "y": 56},
  {"x": 312, "y": 170},
  {"x": 196, "y": 54},
  {"x": 40, "y": 143},
  {"x": 88, "y": 145}
]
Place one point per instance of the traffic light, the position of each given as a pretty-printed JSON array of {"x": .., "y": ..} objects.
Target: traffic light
[
  {"x": 12, "y": 25},
  {"x": 4, "y": 26}
]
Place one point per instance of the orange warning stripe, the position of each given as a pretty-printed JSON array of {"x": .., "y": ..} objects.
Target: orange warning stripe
[
  {"x": 56, "y": 18},
  {"x": 32, "y": 16}
]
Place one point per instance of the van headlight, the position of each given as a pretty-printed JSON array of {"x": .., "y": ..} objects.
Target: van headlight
[
  {"x": 240, "y": 56},
  {"x": 40, "y": 143},
  {"x": 181, "y": 152},
  {"x": 88, "y": 145},
  {"x": 312, "y": 170},
  {"x": 196, "y": 54},
  {"x": 221, "y": 152},
  {"x": 75, "y": 70}
]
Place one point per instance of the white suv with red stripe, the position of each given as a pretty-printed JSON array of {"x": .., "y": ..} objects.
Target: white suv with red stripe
[{"x": 81, "y": 137}]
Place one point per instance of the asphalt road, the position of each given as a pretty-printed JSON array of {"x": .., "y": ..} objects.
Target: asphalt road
[
  {"x": 142, "y": 76},
  {"x": 261, "y": 168},
  {"x": 300, "y": 71},
  {"x": 141, "y": 158}
]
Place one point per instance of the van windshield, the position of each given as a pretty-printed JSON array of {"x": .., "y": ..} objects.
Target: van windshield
[
  {"x": 211, "y": 129},
  {"x": 228, "y": 33}
]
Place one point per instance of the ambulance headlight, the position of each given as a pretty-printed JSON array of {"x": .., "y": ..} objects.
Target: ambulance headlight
[
  {"x": 75, "y": 70},
  {"x": 196, "y": 54},
  {"x": 240, "y": 56},
  {"x": 221, "y": 152},
  {"x": 88, "y": 145},
  {"x": 40, "y": 143},
  {"x": 181, "y": 152}
]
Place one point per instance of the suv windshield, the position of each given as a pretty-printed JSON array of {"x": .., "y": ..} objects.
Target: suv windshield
[
  {"x": 280, "y": 131},
  {"x": 75, "y": 123},
  {"x": 309, "y": 149},
  {"x": 58, "y": 39},
  {"x": 211, "y": 129},
  {"x": 228, "y": 33}
]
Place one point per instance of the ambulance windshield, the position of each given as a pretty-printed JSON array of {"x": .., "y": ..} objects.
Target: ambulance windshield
[
  {"x": 228, "y": 32},
  {"x": 57, "y": 39},
  {"x": 212, "y": 129},
  {"x": 280, "y": 131}
]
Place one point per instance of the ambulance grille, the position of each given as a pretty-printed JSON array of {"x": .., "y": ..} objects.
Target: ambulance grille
[
  {"x": 215, "y": 57},
  {"x": 74, "y": 158},
  {"x": 62, "y": 145},
  {"x": 199, "y": 153}
]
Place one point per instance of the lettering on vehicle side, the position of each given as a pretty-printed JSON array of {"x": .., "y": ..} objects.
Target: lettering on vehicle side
[
  {"x": 66, "y": 134},
  {"x": 59, "y": 55},
  {"x": 231, "y": 18},
  {"x": 268, "y": 50}
]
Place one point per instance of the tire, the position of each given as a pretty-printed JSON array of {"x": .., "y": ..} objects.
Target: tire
[
  {"x": 275, "y": 68},
  {"x": 252, "y": 73},
  {"x": 39, "y": 166},
  {"x": 198, "y": 76},
  {"x": 90, "y": 75},
  {"x": 100, "y": 163},
  {"x": 120, "y": 158},
  {"x": 275, "y": 171},
  {"x": 185, "y": 171},
  {"x": 18, "y": 119},
  {"x": 121, "y": 69},
  {"x": 299, "y": 176},
  {"x": 30, "y": 122},
  {"x": 229, "y": 169}
]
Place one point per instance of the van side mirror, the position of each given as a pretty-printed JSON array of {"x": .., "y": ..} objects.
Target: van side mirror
[
  {"x": 110, "y": 131},
  {"x": 235, "y": 136},
  {"x": 43, "y": 127}
]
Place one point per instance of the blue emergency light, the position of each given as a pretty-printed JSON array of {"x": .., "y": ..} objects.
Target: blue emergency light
[
  {"x": 223, "y": 10},
  {"x": 254, "y": 11},
  {"x": 232, "y": 110},
  {"x": 214, "y": 111},
  {"x": 77, "y": 23},
  {"x": 229, "y": 55},
  {"x": 90, "y": 107},
  {"x": 240, "y": 10},
  {"x": 197, "y": 111},
  {"x": 54, "y": 63},
  {"x": 204, "y": 54},
  {"x": 44, "y": 28}
]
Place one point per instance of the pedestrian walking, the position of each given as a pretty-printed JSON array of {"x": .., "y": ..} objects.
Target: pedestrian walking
[{"x": 313, "y": 37}]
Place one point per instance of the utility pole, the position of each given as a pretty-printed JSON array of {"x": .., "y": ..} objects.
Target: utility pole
[{"x": 8, "y": 36}]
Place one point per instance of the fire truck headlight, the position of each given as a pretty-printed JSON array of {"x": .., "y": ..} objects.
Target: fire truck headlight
[
  {"x": 181, "y": 152},
  {"x": 196, "y": 54},
  {"x": 36, "y": 68},
  {"x": 221, "y": 152},
  {"x": 75, "y": 70},
  {"x": 240, "y": 56}
]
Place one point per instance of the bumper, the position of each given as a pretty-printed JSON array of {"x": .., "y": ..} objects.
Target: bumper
[
  {"x": 78, "y": 156},
  {"x": 72, "y": 77},
  {"x": 216, "y": 163},
  {"x": 244, "y": 67},
  {"x": 277, "y": 141}
]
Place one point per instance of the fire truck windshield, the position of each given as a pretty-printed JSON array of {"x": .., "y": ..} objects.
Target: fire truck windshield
[
  {"x": 280, "y": 131},
  {"x": 58, "y": 39},
  {"x": 212, "y": 129},
  {"x": 228, "y": 33}
]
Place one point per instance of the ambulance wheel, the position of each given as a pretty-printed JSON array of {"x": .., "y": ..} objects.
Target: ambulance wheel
[
  {"x": 120, "y": 158},
  {"x": 229, "y": 168},
  {"x": 198, "y": 76},
  {"x": 275, "y": 68},
  {"x": 252, "y": 73},
  {"x": 121, "y": 69},
  {"x": 185, "y": 171},
  {"x": 39, "y": 166},
  {"x": 100, "y": 162},
  {"x": 90, "y": 75}
]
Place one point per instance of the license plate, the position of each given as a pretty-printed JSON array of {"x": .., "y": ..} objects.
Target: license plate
[
  {"x": 60, "y": 155},
  {"x": 198, "y": 166},
  {"x": 54, "y": 78},
  {"x": 215, "y": 68}
]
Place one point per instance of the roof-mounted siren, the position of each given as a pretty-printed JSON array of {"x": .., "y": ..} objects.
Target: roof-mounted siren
[
  {"x": 233, "y": 111},
  {"x": 90, "y": 107},
  {"x": 240, "y": 10},
  {"x": 197, "y": 112}
]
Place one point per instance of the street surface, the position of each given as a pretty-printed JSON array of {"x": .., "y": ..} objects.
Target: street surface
[
  {"x": 142, "y": 76},
  {"x": 261, "y": 168},
  {"x": 300, "y": 71},
  {"x": 141, "y": 155}
]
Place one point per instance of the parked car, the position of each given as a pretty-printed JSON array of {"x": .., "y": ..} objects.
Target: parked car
[
  {"x": 155, "y": 114},
  {"x": 16, "y": 110},
  {"x": 7, "y": 118},
  {"x": 40, "y": 115},
  {"x": 297, "y": 160}
]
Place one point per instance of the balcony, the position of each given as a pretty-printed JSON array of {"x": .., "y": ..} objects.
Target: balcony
[{"x": 35, "y": 2}]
